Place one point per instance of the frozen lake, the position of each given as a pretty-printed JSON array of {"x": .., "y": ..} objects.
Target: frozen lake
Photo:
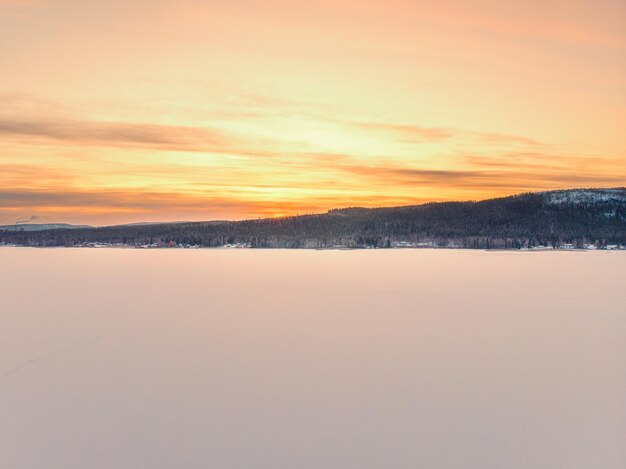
[{"x": 278, "y": 359}]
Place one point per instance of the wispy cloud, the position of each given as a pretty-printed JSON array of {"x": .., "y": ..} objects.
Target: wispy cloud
[
  {"x": 423, "y": 134},
  {"x": 411, "y": 133},
  {"x": 515, "y": 178},
  {"x": 109, "y": 171},
  {"x": 102, "y": 133},
  {"x": 124, "y": 205},
  {"x": 547, "y": 163}
]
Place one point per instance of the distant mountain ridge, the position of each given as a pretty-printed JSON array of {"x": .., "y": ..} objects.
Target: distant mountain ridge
[
  {"x": 41, "y": 227},
  {"x": 564, "y": 218}
]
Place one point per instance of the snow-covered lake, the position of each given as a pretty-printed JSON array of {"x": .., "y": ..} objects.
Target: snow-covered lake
[{"x": 278, "y": 359}]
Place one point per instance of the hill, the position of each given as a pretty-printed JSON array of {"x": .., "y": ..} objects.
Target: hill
[
  {"x": 40, "y": 226},
  {"x": 557, "y": 219}
]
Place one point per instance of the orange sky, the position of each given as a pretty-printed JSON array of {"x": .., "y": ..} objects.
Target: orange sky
[{"x": 117, "y": 111}]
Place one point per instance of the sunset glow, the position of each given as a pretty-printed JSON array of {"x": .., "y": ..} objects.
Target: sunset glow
[{"x": 119, "y": 112}]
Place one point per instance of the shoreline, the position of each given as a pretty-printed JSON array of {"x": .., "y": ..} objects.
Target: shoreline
[{"x": 237, "y": 248}]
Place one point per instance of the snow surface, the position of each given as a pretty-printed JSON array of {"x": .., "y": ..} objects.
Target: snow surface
[
  {"x": 282, "y": 359},
  {"x": 585, "y": 196}
]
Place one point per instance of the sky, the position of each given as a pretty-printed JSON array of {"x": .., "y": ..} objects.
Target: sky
[{"x": 158, "y": 110}]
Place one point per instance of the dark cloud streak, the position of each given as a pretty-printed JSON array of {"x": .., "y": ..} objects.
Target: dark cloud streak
[{"x": 139, "y": 135}]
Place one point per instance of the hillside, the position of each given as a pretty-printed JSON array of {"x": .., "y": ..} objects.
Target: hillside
[
  {"x": 555, "y": 218},
  {"x": 41, "y": 226}
]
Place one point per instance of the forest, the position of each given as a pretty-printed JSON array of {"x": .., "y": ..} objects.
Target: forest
[{"x": 551, "y": 219}]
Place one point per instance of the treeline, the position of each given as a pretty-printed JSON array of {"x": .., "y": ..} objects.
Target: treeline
[{"x": 525, "y": 220}]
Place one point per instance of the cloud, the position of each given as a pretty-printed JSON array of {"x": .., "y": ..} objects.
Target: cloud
[
  {"x": 411, "y": 133},
  {"x": 548, "y": 163},
  {"x": 125, "y": 205},
  {"x": 504, "y": 138},
  {"x": 164, "y": 137},
  {"x": 515, "y": 178},
  {"x": 202, "y": 139},
  {"x": 423, "y": 134},
  {"x": 32, "y": 119}
]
